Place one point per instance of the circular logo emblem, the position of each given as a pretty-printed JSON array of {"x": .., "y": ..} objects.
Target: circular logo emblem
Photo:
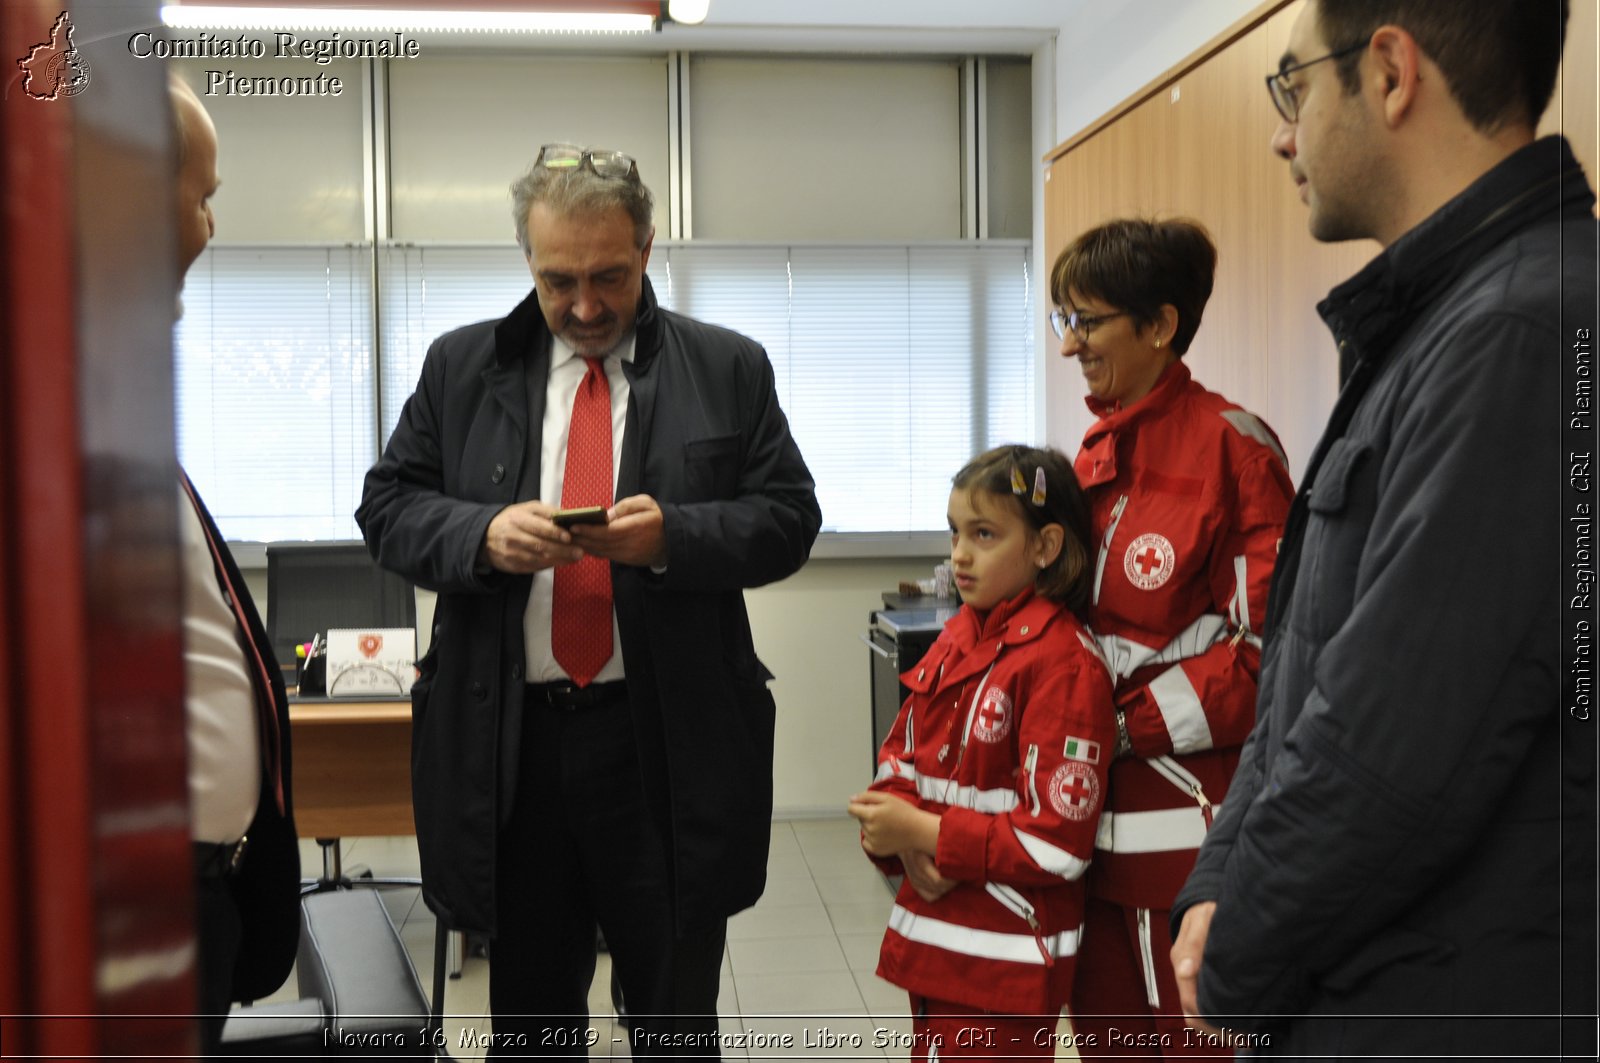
[
  {"x": 1149, "y": 561},
  {"x": 993, "y": 721},
  {"x": 68, "y": 74},
  {"x": 1075, "y": 790},
  {"x": 369, "y": 645}
]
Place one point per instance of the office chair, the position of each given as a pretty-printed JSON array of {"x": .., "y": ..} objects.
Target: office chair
[
  {"x": 357, "y": 986},
  {"x": 315, "y": 587}
]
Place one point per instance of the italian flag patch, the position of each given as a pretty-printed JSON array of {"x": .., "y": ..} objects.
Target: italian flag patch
[{"x": 1082, "y": 749}]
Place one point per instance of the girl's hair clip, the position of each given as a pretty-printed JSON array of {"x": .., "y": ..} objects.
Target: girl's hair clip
[
  {"x": 1038, "y": 486},
  {"x": 1019, "y": 486}
]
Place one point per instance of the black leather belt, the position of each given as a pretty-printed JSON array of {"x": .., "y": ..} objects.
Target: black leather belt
[
  {"x": 219, "y": 859},
  {"x": 568, "y": 695}
]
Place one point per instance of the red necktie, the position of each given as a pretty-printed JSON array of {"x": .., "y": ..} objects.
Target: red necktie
[
  {"x": 580, "y": 625},
  {"x": 266, "y": 698}
]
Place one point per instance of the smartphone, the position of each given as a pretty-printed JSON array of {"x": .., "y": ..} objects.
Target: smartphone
[{"x": 566, "y": 518}]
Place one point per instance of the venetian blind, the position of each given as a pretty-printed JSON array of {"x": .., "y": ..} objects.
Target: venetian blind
[{"x": 275, "y": 388}]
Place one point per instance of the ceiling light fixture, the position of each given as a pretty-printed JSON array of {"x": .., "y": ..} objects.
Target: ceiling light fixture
[
  {"x": 688, "y": 12},
  {"x": 526, "y": 16}
]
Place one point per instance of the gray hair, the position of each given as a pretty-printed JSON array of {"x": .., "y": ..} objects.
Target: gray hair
[{"x": 580, "y": 191}]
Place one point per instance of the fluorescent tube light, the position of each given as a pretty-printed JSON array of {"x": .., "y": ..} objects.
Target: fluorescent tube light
[{"x": 194, "y": 16}]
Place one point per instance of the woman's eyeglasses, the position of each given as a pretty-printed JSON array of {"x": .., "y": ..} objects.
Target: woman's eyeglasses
[{"x": 1079, "y": 324}]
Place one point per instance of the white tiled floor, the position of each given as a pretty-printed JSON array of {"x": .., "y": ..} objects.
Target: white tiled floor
[{"x": 800, "y": 962}]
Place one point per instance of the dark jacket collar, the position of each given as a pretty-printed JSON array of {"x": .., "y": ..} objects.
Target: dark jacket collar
[
  {"x": 1539, "y": 182},
  {"x": 524, "y": 330}
]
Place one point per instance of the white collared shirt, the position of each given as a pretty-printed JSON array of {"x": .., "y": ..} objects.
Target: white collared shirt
[
  {"x": 567, "y": 371},
  {"x": 219, "y": 698}
]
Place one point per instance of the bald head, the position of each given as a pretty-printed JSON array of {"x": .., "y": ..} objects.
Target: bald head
[{"x": 197, "y": 172}]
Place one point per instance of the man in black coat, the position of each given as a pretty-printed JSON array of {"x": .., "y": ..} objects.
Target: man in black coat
[
  {"x": 1405, "y": 865},
  {"x": 631, "y": 784}
]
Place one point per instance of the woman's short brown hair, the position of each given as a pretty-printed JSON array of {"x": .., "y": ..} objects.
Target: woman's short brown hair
[
  {"x": 1139, "y": 265},
  {"x": 1067, "y": 579}
]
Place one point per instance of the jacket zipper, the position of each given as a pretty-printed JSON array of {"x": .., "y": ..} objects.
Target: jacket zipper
[
  {"x": 1146, "y": 955},
  {"x": 1205, "y": 805},
  {"x": 1184, "y": 780},
  {"x": 1019, "y": 906},
  {"x": 1005, "y": 894},
  {"x": 1031, "y": 766},
  {"x": 972, "y": 712},
  {"x": 1105, "y": 544}
]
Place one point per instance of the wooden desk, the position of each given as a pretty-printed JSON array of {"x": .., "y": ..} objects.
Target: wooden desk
[{"x": 352, "y": 768}]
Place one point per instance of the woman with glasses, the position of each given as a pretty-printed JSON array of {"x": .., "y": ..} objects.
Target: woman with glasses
[{"x": 1188, "y": 495}]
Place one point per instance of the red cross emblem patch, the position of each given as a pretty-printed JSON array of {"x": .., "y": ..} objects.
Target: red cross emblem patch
[
  {"x": 1075, "y": 790},
  {"x": 1149, "y": 561},
  {"x": 993, "y": 721}
]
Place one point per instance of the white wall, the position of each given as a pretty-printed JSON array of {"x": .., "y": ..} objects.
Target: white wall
[
  {"x": 495, "y": 111},
  {"x": 762, "y": 124},
  {"x": 1107, "y": 52},
  {"x": 808, "y": 631},
  {"x": 1008, "y": 185}
]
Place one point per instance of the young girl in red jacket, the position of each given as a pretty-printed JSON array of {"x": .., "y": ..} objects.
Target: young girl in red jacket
[{"x": 989, "y": 785}]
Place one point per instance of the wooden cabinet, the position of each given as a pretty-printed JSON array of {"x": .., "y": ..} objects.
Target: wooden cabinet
[{"x": 1195, "y": 142}]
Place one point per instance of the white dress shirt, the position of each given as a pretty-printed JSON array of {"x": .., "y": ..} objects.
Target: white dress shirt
[
  {"x": 224, "y": 735},
  {"x": 567, "y": 371}
]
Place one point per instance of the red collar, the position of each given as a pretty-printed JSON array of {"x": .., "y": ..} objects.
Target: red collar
[
  {"x": 1019, "y": 619},
  {"x": 1097, "y": 459}
]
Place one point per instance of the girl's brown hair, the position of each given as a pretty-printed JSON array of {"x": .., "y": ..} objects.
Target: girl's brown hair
[{"x": 1067, "y": 579}]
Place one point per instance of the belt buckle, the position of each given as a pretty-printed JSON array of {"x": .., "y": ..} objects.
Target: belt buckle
[
  {"x": 557, "y": 694},
  {"x": 236, "y": 857}
]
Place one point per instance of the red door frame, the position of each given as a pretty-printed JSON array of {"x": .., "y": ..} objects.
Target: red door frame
[{"x": 95, "y": 898}]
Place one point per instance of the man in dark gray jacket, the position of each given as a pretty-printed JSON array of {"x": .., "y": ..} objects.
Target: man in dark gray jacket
[
  {"x": 592, "y": 729},
  {"x": 1405, "y": 863}
]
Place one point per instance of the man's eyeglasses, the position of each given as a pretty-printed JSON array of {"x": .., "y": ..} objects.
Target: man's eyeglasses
[
  {"x": 1284, "y": 96},
  {"x": 1079, "y": 324},
  {"x": 571, "y": 157}
]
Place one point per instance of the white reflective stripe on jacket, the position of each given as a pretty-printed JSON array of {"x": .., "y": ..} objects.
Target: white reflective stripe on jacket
[
  {"x": 1125, "y": 656},
  {"x": 1050, "y": 857},
  {"x": 989, "y": 944},
  {"x": 950, "y": 792},
  {"x": 1160, "y": 831}
]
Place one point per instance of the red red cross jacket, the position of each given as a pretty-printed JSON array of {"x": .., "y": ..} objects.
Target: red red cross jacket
[
  {"x": 1007, "y": 734},
  {"x": 1188, "y": 493}
]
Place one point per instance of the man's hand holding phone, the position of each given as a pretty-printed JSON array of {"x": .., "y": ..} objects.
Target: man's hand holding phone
[
  {"x": 567, "y": 518},
  {"x": 531, "y": 536},
  {"x": 524, "y": 538},
  {"x": 632, "y": 534}
]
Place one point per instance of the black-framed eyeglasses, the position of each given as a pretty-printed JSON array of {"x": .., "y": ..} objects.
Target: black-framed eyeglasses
[
  {"x": 603, "y": 162},
  {"x": 1284, "y": 97},
  {"x": 1078, "y": 323}
]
